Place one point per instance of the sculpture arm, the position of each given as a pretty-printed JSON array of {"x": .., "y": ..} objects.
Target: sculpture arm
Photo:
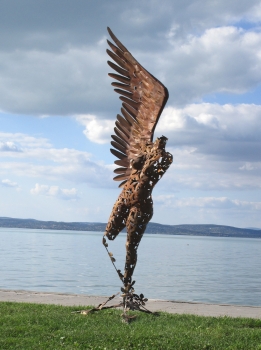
[
  {"x": 165, "y": 162},
  {"x": 156, "y": 165}
]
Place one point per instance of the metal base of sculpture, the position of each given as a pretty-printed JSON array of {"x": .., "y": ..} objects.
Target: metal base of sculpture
[{"x": 131, "y": 302}]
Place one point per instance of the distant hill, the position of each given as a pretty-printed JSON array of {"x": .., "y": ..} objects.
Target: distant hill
[
  {"x": 253, "y": 228},
  {"x": 153, "y": 228}
]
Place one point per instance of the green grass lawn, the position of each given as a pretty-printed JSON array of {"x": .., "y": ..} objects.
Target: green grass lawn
[{"x": 32, "y": 326}]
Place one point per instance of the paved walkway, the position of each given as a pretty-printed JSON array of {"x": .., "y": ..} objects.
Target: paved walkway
[{"x": 153, "y": 305}]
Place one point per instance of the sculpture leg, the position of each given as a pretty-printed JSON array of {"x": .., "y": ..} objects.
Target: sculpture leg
[
  {"x": 136, "y": 225},
  {"x": 117, "y": 220}
]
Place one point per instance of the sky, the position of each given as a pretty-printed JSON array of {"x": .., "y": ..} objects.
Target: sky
[{"x": 58, "y": 109}]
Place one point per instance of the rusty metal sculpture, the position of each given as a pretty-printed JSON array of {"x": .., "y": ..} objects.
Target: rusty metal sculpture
[{"x": 142, "y": 162}]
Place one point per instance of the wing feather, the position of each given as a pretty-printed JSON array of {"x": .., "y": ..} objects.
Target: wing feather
[
  {"x": 122, "y": 162},
  {"x": 128, "y": 117},
  {"x": 118, "y": 146},
  {"x": 119, "y": 140},
  {"x": 120, "y": 177},
  {"x": 118, "y": 69},
  {"x": 124, "y": 122},
  {"x": 121, "y": 135},
  {"x": 130, "y": 110},
  {"x": 143, "y": 99},
  {"x": 120, "y": 170},
  {"x": 118, "y": 60},
  {"x": 119, "y": 78},
  {"x": 118, "y": 154},
  {"x": 122, "y": 129},
  {"x": 129, "y": 102},
  {"x": 122, "y": 86},
  {"x": 124, "y": 93}
]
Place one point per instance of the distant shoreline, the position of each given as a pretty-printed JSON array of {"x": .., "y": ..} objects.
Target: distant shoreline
[{"x": 152, "y": 228}]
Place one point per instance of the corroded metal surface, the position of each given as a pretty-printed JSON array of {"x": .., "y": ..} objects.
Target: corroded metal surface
[
  {"x": 144, "y": 98},
  {"x": 142, "y": 162}
]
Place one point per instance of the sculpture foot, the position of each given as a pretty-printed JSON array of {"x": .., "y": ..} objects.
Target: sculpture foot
[
  {"x": 99, "y": 307},
  {"x": 131, "y": 302}
]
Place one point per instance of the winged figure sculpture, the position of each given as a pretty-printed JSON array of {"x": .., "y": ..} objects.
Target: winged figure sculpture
[{"x": 141, "y": 162}]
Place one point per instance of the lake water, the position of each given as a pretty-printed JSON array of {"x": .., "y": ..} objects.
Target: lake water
[{"x": 185, "y": 268}]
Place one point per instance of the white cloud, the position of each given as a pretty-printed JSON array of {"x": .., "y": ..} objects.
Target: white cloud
[
  {"x": 73, "y": 80},
  {"x": 213, "y": 146},
  {"x": 137, "y": 17},
  {"x": 217, "y": 203},
  {"x": 40, "y": 159},
  {"x": 55, "y": 191},
  {"x": 9, "y": 147},
  {"x": 224, "y": 59},
  {"x": 9, "y": 183},
  {"x": 96, "y": 130},
  {"x": 164, "y": 199},
  {"x": 46, "y": 83},
  {"x": 90, "y": 173},
  {"x": 19, "y": 141},
  {"x": 220, "y": 210},
  {"x": 254, "y": 13},
  {"x": 228, "y": 132},
  {"x": 250, "y": 166}
]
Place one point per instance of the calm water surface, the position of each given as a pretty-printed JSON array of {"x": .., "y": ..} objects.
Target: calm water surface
[{"x": 207, "y": 269}]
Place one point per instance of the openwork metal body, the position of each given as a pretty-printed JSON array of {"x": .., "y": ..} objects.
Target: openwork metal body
[
  {"x": 142, "y": 162},
  {"x": 134, "y": 206}
]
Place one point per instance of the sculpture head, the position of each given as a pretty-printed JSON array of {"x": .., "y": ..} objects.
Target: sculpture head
[{"x": 160, "y": 142}]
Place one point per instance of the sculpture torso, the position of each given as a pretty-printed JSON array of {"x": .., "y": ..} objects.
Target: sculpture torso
[{"x": 138, "y": 189}]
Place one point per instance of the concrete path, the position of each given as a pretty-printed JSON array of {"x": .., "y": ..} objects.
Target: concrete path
[{"x": 153, "y": 304}]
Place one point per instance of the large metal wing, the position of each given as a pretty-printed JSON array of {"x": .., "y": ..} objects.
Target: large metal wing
[{"x": 144, "y": 98}]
